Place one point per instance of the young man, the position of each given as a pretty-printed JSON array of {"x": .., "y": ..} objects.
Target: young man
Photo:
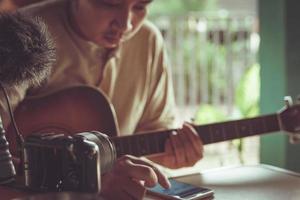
[
  {"x": 108, "y": 44},
  {"x": 26, "y": 56}
]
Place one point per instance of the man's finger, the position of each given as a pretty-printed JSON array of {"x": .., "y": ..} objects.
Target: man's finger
[
  {"x": 178, "y": 148},
  {"x": 190, "y": 154},
  {"x": 194, "y": 139},
  {"x": 142, "y": 169},
  {"x": 170, "y": 157},
  {"x": 133, "y": 189}
]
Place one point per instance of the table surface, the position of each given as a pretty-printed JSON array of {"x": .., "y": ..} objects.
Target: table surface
[{"x": 259, "y": 182}]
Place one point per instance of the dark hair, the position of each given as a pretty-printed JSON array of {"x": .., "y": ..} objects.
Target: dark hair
[
  {"x": 27, "y": 51},
  {"x": 21, "y": 3}
]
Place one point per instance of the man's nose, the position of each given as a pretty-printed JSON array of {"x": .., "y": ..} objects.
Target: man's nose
[{"x": 124, "y": 20}]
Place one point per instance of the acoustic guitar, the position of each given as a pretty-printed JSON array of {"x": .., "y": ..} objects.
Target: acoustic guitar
[{"x": 83, "y": 108}]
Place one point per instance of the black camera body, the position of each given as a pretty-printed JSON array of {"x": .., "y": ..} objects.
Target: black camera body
[
  {"x": 56, "y": 162},
  {"x": 7, "y": 169}
]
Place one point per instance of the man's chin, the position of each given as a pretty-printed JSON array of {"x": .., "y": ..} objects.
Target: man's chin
[
  {"x": 107, "y": 45},
  {"x": 111, "y": 43},
  {"x": 111, "y": 46}
]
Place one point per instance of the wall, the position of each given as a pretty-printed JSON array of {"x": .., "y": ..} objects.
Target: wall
[{"x": 280, "y": 72}]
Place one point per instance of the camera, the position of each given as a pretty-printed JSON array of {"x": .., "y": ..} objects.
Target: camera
[
  {"x": 57, "y": 162},
  {"x": 7, "y": 172}
]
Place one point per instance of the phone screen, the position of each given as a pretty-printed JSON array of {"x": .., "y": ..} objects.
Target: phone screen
[{"x": 180, "y": 190}]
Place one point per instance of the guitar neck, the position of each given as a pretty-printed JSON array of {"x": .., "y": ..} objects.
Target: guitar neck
[{"x": 154, "y": 142}]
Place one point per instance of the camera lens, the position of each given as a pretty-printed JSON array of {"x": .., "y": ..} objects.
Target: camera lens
[{"x": 106, "y": 148}]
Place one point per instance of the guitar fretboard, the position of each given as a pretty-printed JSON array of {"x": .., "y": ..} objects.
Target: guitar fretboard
[{"x": 154, "y": 142}]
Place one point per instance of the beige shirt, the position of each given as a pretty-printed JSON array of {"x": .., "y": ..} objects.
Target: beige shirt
[{"x": 136, "y": 79}]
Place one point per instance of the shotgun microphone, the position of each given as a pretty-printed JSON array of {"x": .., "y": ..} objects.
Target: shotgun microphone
[{"x": 27, "y": 53}]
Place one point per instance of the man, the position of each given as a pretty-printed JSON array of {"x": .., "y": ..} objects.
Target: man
[
  {"x": 108, "y": 44},
  {"x": 26, "y": 56}
]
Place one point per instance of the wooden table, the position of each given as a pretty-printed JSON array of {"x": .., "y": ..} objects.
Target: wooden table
[{"x": 260, "y": 182}]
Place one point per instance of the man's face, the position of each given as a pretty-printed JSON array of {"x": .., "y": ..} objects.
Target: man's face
[{"x": 110, "y": 22}]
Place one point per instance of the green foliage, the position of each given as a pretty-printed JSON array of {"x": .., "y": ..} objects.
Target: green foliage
[
  {"x": 211, "y": 54},
  {"x": 247, "y": 92},
  {"x": 177, "y": 7},
  {"x": 246, "y": 103},
  {"x": 209, "y": 114},
  {"x": 246, "y": 99}
]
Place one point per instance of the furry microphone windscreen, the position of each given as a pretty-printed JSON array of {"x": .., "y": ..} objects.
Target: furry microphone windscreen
[{"x": 27, "y": 51}]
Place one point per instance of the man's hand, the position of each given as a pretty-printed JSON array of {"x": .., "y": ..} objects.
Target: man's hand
[
  {"x": 183, "y": 149},
  {"x": 294, "y": 138},
  {"x": 129, "y": 177}
]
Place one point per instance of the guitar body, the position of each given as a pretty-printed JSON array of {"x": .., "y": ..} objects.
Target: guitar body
[{"x": 68, "y": 111}]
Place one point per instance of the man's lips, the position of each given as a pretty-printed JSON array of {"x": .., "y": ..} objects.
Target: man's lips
[{"x": 113, "y": 37}]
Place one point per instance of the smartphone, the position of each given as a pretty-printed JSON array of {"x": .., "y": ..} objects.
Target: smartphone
[{"x": 182, "y": 191}]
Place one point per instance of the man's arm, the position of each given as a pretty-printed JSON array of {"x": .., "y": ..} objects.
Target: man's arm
[{"x": 184, "y": 147}]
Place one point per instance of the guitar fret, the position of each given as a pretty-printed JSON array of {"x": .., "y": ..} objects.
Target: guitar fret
[
  {"x": 204, "y": 133},
  {"x": 272, "y": 123},
  {"x": 245, "y": 128},
  {"x": 257, "y": 126},
  {"x": 236, "y": 130},
  {"x": 128, "y": 144},
  {"x": 211, "y": 136},
  {"x": 136, "y": 146},
  {"x": 144, "y": 145},
  {"x": 230, "y": 131},
  {"x": 225, "y": 136},
  {"x": 216, "y": 133},
  {"x": 157, "y": 139},
  {"x": 153, "y": 147},
  {"x": 117, "y": 147},
  {"x": 118, "y": 142},
  {"x": 162, "y": 141},
  {"x": 252, "y": 133},
  {"x": 122, "y": 143},
  {"x": 121, "y": 147}
]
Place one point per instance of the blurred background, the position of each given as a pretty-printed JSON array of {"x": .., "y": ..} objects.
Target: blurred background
[
  {"x": 213, "y": 50},
  {"x": 234, "y": 59}
]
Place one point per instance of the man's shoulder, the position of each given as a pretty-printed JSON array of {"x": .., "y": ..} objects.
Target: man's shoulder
[
  {"x": 148, "y": 34},
  {"x": 150, "y": 30},
  {"x": 48, "y": 10},
  {"x": 53, "y": 13}
]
